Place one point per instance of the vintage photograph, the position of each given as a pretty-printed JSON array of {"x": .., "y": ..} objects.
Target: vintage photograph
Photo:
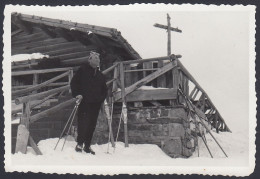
[{"x": 133, "y": 89}]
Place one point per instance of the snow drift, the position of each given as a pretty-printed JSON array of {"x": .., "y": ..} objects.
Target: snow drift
[{"x": 234, "y": 144}]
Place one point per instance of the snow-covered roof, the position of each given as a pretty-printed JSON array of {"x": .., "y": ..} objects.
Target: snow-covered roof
[{"x": 110, "y": 33}]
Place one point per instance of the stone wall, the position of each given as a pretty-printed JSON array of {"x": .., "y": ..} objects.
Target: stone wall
[{"x": 167, "y": 127}]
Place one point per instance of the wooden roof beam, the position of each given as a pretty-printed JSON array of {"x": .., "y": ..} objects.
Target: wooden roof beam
[
  {"x": 32, "y": 36},
  {"x": 42, "y": 43},
  {"x": 71, "y": 50},
  {"x": 16, "y": 32},
  {"x": 64, "y": 33},
  {"x": 51, "y": 33},
  {"x": 25, "y": 26},
  {"x": 48, "y": 48},
  {"x": 72, "y": 55}
]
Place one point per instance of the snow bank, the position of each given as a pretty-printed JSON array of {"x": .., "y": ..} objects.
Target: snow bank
[
  {"x": 234, "y": 144},
  {"x": 22, "y": 57}
]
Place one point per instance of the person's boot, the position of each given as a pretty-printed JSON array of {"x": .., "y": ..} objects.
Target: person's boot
[
  {"x": 89, "y": 150},
  {"x": 79, "y": 147}
]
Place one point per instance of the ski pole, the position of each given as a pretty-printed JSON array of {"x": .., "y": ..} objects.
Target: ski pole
[
  {"x": 207, "y": 147},
  {"x": 69, "y": 127},
  {"x": 118, "y": 130},
  {"x": 72, "y": 113},
  {"x": 62, "y": 133},
  {"x": 110, "y": 127},
  {"x": 204, "y": 124}
]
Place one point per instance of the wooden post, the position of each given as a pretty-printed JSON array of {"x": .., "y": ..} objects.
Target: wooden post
[
  {"x": 195, "y": 95},
  {"x": 181, "y": 76},
  {"x": 186, "y": 86},
  {"x": 203, "y": 102},
  {"x": 25, "y": 120},
  {"x": 169, "y": 34},
  {"x": 128, "y": 76},
  {"x": 35, "y": 81},
  {"x": 161, "y": 80},
  {"x": 175, "y": 81},
  {"x": 70, "y": 76},
  {"x": 192, "y": 92},
  {"x": 124, "y": 108},
  {"x": 23, "y": 130},
  {"x": 114, "y": 87}
]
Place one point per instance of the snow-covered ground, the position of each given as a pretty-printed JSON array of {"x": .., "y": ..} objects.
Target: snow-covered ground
[{"x": 234, "y": 144}]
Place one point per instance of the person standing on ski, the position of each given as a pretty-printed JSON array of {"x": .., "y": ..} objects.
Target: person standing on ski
[{"x": 89, "y": 83}]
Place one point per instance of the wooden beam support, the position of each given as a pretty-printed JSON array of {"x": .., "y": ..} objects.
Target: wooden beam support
[
  {"x": 34, "y": 146},
  {"x": 41, "y": 95},
  {"x": 48, "y": 48},
  {"x": 32, "y": 36},
  {"x": 71, "y": 50},
  {"x": 52, "y": 110},
  {"x": 14, "y": 33},
  {"x": 16, "y": 19},
  {"x": 41, "y": 43},
  {"x": 30, "y": 72},
  {"x": 64, "y": 33},
  {"x": 49, "y": 32},
  {"x": 202, "y": 102},
  {"x": 195, "y": 95},
  {"x": 171, "y": 57},
  {"x": 49, "y": 85},
  {"x": 192, "y": 92},
  {"x": 72, "y": 55},
  {"x": 35, "y": 38}
]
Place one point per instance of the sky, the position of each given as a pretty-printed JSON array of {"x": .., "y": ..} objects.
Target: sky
[{"x": 214, "y": 44}]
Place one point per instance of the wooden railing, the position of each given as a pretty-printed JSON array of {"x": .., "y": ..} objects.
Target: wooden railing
[{"x": 28, "y": 89}]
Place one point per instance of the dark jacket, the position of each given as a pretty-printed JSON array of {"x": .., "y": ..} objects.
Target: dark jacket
[{"x": 90, "y": 83}]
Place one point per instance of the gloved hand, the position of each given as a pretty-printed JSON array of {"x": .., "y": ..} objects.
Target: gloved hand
[{"x": 79, "y": 98}]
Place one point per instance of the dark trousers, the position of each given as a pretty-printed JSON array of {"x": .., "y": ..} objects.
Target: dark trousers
[{"x": 87, "y": 120}]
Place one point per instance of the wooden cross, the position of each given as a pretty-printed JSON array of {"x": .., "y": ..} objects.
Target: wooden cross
[
  {"x": 161, "y": 81},
  {"x": 169, "y": 29}
]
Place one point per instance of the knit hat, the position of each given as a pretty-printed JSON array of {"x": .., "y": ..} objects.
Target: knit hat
[{"x": 94, "y": 59}]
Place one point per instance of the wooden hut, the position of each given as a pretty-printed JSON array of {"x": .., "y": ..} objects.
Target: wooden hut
[{"x": 151, "y": 100}]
